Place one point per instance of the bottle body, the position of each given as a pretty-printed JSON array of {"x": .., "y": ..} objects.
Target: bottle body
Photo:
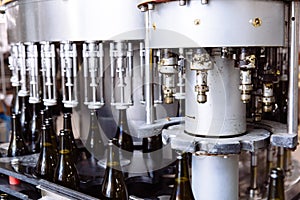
[
  {"x": 17, "y": 146},
  {"x": 47, "y": 158},
  {"x": 49, "y": 126},
  {"x": 65, "y": 173},
  {"x": 94, "y": 142},
  {"x": 182, "y": 188},
  {"x": 113, "y": 186},
  {"x": 276, "y": 185}
]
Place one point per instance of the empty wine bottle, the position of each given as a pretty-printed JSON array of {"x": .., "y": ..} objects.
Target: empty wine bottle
[
  {"x": 48, "y": 157},
  {"x": 65, "y": 173},
  {"x": 113, "y": 186},
  {"x": 276, "y": 185},
  {"x": 17, "y": 146},
  {"x": 123, "y": 137},
  {"x": 49, "y": 126},
  {"x": 94, "y": 142},
  {"x": 67, "y": 125},
  {"x": 34, "y": 131},
  {"x": 182, "y": 188}
]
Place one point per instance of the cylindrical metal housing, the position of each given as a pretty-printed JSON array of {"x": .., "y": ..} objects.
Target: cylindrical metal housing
[
  {"x": 218, "y": 24},
  {"x": 223, "y": 114},
  {"x": 215, "y": 177},
  {"x": 56, "y": 20}
]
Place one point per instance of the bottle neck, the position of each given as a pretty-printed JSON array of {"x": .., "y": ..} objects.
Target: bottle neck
[
  {"x": 93, "y": 120},
  {"x": 123, "y": 118},
  {"x": 182, "y": 175},
  {"x": 113, "y": 158},
  {"x": 67, "y": 121},
  {"x": 65, "y": 149},
  {"x": 46, "y": 137}
]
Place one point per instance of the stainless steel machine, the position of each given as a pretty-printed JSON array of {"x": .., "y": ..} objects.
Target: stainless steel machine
[{"x": 232, "y": 66}]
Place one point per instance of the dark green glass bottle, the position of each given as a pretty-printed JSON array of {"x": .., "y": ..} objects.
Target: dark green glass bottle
[
  {"x": 48, "y": 157},
  {"x": 123, "y": 137},
  {"x": 182, "y": 188},
  {"x": 17, "y": 146},
  {"x": 94, "y": 143},
  {"x": 65, "y": 173},
  {"x": 113, "y": 186},
  {"x": 276, "y": 184}
]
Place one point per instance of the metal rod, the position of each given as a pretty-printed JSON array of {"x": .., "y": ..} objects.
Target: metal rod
[
  {"x": 293, "y": 72},
  {"x": 148, "y": 73},
  {"x": 3, "y": 74}
]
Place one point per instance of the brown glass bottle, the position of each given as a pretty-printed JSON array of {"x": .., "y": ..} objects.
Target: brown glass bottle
[
  {"x": 34, "y": 131},
  {"x": 65, "y": 173},
  {"x": 113, "y": 186},
  {"x": 48, "y": 157},
  {"x": 276, "y": 185},
  {"x": 94, "y": 143},
  {"x": 123, "y": 137},
  {"x": 182, "y": 188},
  {"x": 67, "y": 125},
  {"x": 17, "y": 146},
  {"x": 49, "y": 126}
]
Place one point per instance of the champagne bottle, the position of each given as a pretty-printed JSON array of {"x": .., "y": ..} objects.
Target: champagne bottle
[
  {"x": 123, "y": 137},
  {"x": 49, "y": 126},
  {"x": 182, "y": 188},
  {"x": 67, "y": 125},
  {"x": 276, "y": 185},
  {"x": 34, "y": 130},
  {"x": 94, "y": 142},
  {"x": 113, "y": 186},
  {"x": 65, "y": 173},
  {"x": 17, "y": 146},
  {"x": 47, "y": 158},
  {"x": 24, "y": 118}
]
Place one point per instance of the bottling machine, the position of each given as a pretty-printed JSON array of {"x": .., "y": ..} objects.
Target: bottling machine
[{"x": 230, "y": 67}]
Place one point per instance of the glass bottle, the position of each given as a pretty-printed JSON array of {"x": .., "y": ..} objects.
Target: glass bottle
[
  {"x": 34, "y": 130},
  {"x": 15, "y": 108},
  {"x": 17, "y": 146},
  {"x": 94, "y": 142},
  {"x": 182, "y": 188},
  {"x": 49, "y": 126},
  {"x": 123, "y": 137},
  {"x": 65, "y": 173},
  {"x": 67, "y": 125},
  {"x": 24, "y": 118},
  {"x": 113, "y": 186},
  {"x": 47, "y": 158},
  {"x": 276, "y": 185}
]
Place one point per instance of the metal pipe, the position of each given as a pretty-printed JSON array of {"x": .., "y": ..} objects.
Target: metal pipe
[{"x": 292, "y": 115}]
